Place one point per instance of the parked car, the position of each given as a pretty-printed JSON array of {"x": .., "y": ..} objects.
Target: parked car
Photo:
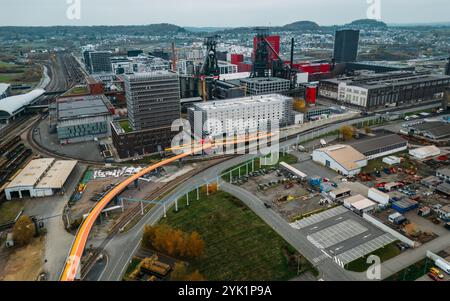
[{"x": 437, "y": 272}]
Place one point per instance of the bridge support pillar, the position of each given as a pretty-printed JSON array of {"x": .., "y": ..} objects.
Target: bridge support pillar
[
  {"x": 164, "y": 208},
  {"x": 187, "y": 199},
  {"x": 198, "y": 193},
  {"x": 176, "y": 205}
]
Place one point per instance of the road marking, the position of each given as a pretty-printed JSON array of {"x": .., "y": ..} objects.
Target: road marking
[
  {"x": 339, "y": 218},
  {"x": 316, "y": 227},
  {"x": 323, "y": 251},
  {"x": 339, "y": 248},
  {"x": 368, "y": 235}
]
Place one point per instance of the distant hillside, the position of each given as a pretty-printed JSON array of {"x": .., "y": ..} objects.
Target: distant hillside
[
  {"x": 41, "y": 32},
  {"x": 368, "y": 23},
  {"x": 301, "y": 25}
]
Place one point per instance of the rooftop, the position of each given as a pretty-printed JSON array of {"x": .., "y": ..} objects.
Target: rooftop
[
  {"x": 435, "y": 128},
  {"x": 239, "y": 102},
  {"x": 380, "y": 141},
  {"x": 264, "y": 80},
  {"x": 345, "y": 155},
  {"x": 149, "y": 75},
  {"x": 57, "y": 175},
  {"x": 83, "y": 106},
  {"x": 444, "y": 171},
  {"x": 4, "y": 87},
  {"x": 32, "y": 173},
  {"x": 12, "y": 104}
]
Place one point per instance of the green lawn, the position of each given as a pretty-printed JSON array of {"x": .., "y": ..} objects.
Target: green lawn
[
  {"x": 9, "y": 77},
  {"x": 288, "y": 158},
  {"x": 238, "y": 244},
  {"x": 387, "y": 252},
  {"x": 125, "y": 126},
  {"x": 9, "y": 210},
  {"x": 412, "y": 272}
]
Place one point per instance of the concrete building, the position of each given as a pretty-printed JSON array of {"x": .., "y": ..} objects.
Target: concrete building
[
  {"x": 381, "y": 145},
  {"x": 444, "y": 212},
  {"x": 100, "y": 62},
  {"x": 360, "y": 204},
  {"x": 227, "y": 68},
  {"x": 240, "y": 115},
  {"x": 346, "y": 45},
  {"x": 343, "y": 159},
  {"x": 435, "y": 130},
  {"x": 13, "y": 106},
  {"x": 83, "y": 118},
  {"x": 425, "y": 152},
  {"x": 265, "y": 85},
  {"x": 443, "y": 174},
  {"x": 317, "y": 111},
  {"x": 153, "y": 102},
  {"x": 379, "y": 90},
  {"x": 5, "y": 90},
  {"x": 153, "y": 99},
  {"x": 40, "y": 178}
]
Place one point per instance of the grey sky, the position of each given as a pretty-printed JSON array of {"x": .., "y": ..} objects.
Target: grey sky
[{"x": 218, "y": 12}]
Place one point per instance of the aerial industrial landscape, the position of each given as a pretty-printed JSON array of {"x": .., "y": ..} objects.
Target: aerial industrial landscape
[{"x": 297, "y": 152}]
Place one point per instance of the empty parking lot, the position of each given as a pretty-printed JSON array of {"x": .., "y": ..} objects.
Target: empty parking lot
[{"x": 342, "y": 234}]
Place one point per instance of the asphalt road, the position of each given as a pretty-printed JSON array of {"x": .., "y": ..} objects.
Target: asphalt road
[{"x": 120, "y": 249}]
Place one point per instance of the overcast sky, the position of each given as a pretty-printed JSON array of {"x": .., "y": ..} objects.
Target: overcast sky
[{"x": 219, "y": 13}]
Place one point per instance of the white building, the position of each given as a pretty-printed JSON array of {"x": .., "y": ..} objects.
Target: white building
[
  {"x": 425, "y": 152},
  {"x": 5, "y": 90},
  {"x": 40, "y": 178},
  {"x": 379, "y": 196},
  {"x": 352, "y": 94},
  {"x": 240, "y": 115},
  {"x": 359, "y": 204},
  {"x": 343, "y": 159}
]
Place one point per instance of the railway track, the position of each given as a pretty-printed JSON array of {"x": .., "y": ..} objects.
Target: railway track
[
  {"x": 44, "y": 152},
  {"x": 135, "y": 211}
]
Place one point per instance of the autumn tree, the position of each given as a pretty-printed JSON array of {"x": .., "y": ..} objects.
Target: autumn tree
[
  {"x": 368, "y": 130},
  {"x": 148, "y": 236},
  {"x": 195, "y": 245},
  {"x": 179, "y": 272},
  {"x": 24, "y": 230},
  {"x": 195, "y": 276},
  {"x": 347, "y": 132}
]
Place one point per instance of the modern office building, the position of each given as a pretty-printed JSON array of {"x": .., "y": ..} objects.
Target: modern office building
[
  {"x": 379, "y": 90},
  {"x": 83, "y": 118},
  {"x": 240, "y": 115},
  {"x": 153, "y": 102},
  {"x": 100, "y": 62},
  {"x": 153, "y": 99},
  {"x": 346, "y": 45},
  {"x": 265, "y": 85}
]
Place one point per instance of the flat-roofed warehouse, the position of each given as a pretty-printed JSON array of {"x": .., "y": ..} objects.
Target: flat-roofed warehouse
[
  {"x": 343, "y": 159},
  {"x": 435, "y": 130},
  {"x": 392, "y": 88},
  {"x": 381, "y": 145},
  {"x": 40, "y": 178},
  {"x": 83, "y": 118}
]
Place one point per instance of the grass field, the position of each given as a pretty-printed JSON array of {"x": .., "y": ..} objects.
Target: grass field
[
  {"x": 412, "y": 272},
  {"x": 9, "y": 210},
  {"x": 385, "y": 253},
  {"x": 9, "y": 77},
  {"x": 238, "y": 244}
]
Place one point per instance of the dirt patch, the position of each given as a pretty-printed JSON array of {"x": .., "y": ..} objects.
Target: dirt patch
[{"x": 23, "y": 264}]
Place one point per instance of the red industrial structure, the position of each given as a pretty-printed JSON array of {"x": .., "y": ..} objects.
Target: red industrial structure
[{"x": 274, "y": 41}]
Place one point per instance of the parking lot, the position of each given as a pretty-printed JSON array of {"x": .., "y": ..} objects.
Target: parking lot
[{"x": 342, "y": 234}]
